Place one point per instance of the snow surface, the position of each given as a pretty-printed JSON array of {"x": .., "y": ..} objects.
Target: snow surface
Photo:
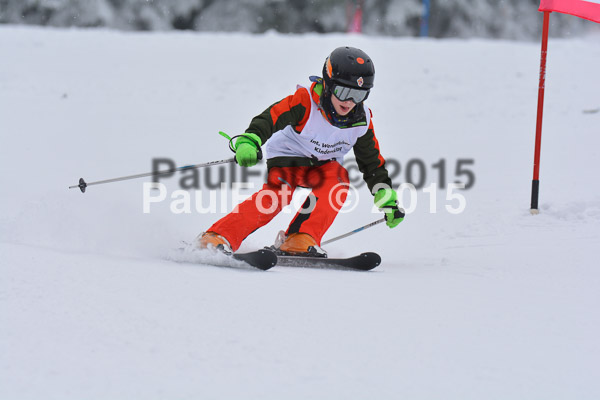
[{"x": 490, "y": 303}]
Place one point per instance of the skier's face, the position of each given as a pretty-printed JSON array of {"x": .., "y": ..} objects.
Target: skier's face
[{"x": 342, "y": 107}]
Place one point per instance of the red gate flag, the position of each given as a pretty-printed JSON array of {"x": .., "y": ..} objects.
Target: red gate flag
[{"x": 588, "y": 9}]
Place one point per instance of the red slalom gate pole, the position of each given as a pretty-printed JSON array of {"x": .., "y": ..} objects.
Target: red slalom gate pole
[{"x": 535, "y": 184}]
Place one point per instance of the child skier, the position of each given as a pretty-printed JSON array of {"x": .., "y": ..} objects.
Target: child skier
[{"x": 307, "y": 135}]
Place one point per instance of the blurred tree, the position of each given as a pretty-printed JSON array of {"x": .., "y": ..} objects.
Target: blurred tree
[{"x": 509, "y": 19}]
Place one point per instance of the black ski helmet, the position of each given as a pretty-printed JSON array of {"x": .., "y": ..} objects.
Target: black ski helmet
[{"x": 349, "y": 66}]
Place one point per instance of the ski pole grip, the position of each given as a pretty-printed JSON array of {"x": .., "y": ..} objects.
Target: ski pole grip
[{"x": 259, "y": 153}]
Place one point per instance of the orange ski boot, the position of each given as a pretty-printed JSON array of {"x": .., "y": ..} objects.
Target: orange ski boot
[
  {"x": 212, "y": 240},
  {"x": 301, "y": 244}
]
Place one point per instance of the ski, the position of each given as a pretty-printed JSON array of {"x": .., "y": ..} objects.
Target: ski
[
  {"x": 362, "y": 262},
  {"x": 262, "y": 259}
]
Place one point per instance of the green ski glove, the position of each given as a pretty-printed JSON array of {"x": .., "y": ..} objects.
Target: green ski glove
[
  {"x": 246, "y": 149},
  {"x": 387, "y": 201}
]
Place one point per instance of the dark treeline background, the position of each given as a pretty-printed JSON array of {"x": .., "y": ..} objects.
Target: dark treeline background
[{"x": 506, "y": 19}]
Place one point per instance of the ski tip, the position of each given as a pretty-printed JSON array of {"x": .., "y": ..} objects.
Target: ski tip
[
  {"x": 269, "y": 259},
  {"x": 371, "y": 259}
]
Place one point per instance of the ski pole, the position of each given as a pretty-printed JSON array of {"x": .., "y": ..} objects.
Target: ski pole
[
  {"x": 362, "y": 228},
  {"x": 83, "y": 184}
]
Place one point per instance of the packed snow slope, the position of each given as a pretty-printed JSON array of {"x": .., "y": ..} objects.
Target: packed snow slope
[{"x": 487, "y": 303}]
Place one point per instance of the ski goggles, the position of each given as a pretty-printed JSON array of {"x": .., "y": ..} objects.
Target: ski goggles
[{"x": 344, "y": 93}]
